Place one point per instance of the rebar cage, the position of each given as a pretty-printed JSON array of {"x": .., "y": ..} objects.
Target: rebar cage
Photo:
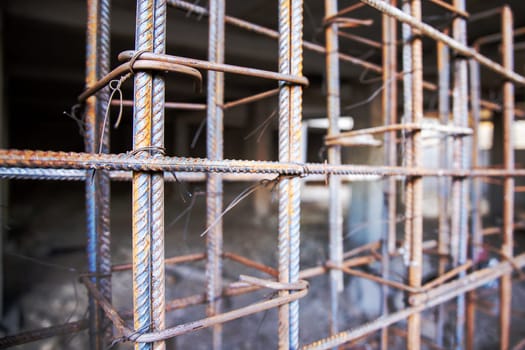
[{"x": 148, "y": 167}]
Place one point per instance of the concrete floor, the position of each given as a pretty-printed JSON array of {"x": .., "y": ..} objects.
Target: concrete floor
[{"x": 47, "y": 225}]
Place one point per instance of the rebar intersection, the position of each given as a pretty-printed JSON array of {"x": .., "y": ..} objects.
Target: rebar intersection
[{"x": 145, "y": 166}]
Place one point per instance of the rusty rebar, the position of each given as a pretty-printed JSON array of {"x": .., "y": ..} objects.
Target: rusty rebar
[
  {"x": 199, "y": 10},
  {"x": 333, "y": 106},
  {"x": 443, "y": 61},
  {"x": 97, "y": 140},
  {"x": 214, "y": 150},
  {"x": 435, "y": 34},
  {"x": 389, "y": 110},
  {"x": 10, "y": 341},
  {"x": 508, "y": 184},
  {"x": 415, "y": 213},
  {"x": 422, "y": 302},
  {"x": 218, "y": 67},
  {"x": 450, "y": 8},
  {"x": 26, "y": 159},
  {"x": 461, "y": 155}
]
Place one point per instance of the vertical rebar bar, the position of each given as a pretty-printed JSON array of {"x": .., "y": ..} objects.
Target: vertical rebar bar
[
  {"x": 97, "y": 186},
  {"x": 475, "y": 196},
  {"x": 90, "y": 146},
  {"x": 416, "y": 250},
  {"x": 148, "y": 189},
  {"x": 104, "y": 238},
  {"x": 290, "y": 113},
  {"x": 508, "y": 184},
  {"x": 443, "y": 60},
  {"x": 284, "y": 184},
  {"x": 407, "y": 118},
  {"x": 158, "y": 285},
  {"x": 389, "y": 105},
  {"x": 335, "y": 216},
  {"x": 461, "y": 157},
  {"x": 296, "y": 112},
  {"x": 214, "y": 186}
]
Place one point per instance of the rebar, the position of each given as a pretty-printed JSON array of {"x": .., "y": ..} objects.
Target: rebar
[
  {"x": 214, "y": 187},
  {"x": 459, "y": 221},
  {"x": 335, "y": 220},
  {"x": 389, "y": 110},
  {"x": 148, "y": 167},
  {"x": 508, "y": 184}
]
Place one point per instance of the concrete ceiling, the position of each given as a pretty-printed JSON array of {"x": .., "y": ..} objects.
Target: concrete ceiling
[{"x": 45, "y": 46}]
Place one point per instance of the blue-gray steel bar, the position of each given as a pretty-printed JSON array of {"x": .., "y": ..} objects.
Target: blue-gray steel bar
[
  {"x": 102, "y": 177},
  {"x": 97, "y": 186},
  {"x": 443, "y": 60},
  {"x": 406, "y": 34},
  {"x": 389, "y": 110},
  {"x": 156, "y": 206},
  {"x": 214, "y": 187},
  {"x": 284, "y": 184},
  {"x": 296, "y": 112},
  {"x": 335, "y": 216},
  {"x": 461, "y": 156},
  {"x": 142, "y": 182},
  {"x": 475, "y": 197}
]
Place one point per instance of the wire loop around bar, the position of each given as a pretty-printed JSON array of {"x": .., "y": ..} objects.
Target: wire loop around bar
[{"x": 142, "y": 65}]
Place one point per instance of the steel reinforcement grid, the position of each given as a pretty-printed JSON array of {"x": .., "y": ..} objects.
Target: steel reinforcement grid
[{"x": 148, "y": 168}]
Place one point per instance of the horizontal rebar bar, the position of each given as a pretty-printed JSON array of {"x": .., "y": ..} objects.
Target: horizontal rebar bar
[
  {"x": 218, "y": 67},
  {"x": 447, "y": 291},
  {"x": 43, "y": 333},
  {"x": 435, "y": 34},
  {"x": 201, "y": 11},
  {"x": 127, "y": 161},
  {"x": 451, "y": 130}
]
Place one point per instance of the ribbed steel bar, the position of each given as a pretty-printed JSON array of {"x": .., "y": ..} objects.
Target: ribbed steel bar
[
  {"x": 97, "y": 187},
  {"x": 360, "y": 39},
  {"x": 255, "y": 28},
  {"x": 214, "y": 187},
  {"x": 475, "y": 197},
  {"x": 508, "y": 184},
  {"x": 389, "y": 110},
  {"x": 435, "y": 34},
  {"x": 201, "y": 11},
  {"x": 461, "y": 155},
  {"x": 443, "y": 60},
  {"x": 284, "y": 340},
  {"x": 167, "y": 105},
  {"x": 407, "y": 127},
  {"x": 296, "y": 113},
  {"x": 335, "y": 216},
  {"x": 415, "y": 268},
  {"x": 158, "y": 284},
  {"x": 219, "y": 67},
  {"x": 29, "y": 159},
  {"x": 90, "y": 146},
  {"x": 103, "y": 177},
  {"x": 424, "y": 301},
  {"x": 406, "y": 34},
  {"x": 141, "y": 183},
  {"x": 43, "y": 333},
  {"x": 450, "y": 8}
]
